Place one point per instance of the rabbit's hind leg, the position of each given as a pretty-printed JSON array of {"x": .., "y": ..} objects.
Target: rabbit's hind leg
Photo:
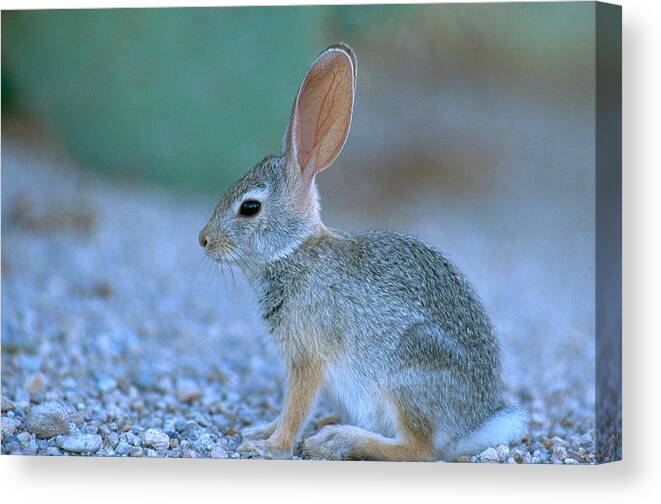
[{"x": 338, "y": 442}]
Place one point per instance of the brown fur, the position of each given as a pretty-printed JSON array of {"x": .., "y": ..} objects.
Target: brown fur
[
  {"x": 304, "y": 380},
  {"x": 347, "y": 441}
]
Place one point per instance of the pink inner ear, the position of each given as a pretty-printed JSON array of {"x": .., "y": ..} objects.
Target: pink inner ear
[{"x": 323, "y": 111}]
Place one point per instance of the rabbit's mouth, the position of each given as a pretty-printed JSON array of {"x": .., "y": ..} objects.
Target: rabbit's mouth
[
  {"x": 224, "y": 252},
  {"x": 220, "y": 252}
]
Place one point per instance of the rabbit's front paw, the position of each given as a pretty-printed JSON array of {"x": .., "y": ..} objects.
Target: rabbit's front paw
[
  {"x": 333, "y": 442},
  {"x": 265, "y": 448}
]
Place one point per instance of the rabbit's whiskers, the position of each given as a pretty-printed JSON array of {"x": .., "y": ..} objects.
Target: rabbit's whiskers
[{"x": 241, "y": 263}]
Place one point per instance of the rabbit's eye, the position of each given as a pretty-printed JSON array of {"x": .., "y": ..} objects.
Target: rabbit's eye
[{"x": 249, "y": 208}]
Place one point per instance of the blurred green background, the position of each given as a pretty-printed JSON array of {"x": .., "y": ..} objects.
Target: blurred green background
[{"x": 190, "y": 98}]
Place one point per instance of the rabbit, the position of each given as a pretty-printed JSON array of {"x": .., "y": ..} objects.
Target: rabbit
[{"x": 379, "y": 324}]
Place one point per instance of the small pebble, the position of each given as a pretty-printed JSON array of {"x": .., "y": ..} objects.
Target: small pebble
[
  {"x": 157, "y": 439},
  {"x": 503, "y": 452},
  {"x": 518, "y": 455},
  {"x": 36, "y": 384},
  {"x": 218, "y": 452},
  {"x": 7, "y": 405},
  {"x": 188, "y": 390},
  {"x": 9, "y": 425},
  {"x": 79, "y": 443},
  {"x": 136, "y": 451},
  {"x": 32, "y": 448},
  {"x": 204, "y": 442},
  {"x": 489, "y": 455},
  {"x": 122, "y": 448},
  {"x": 11, "y": 444},
  {"x": 48, "y": 419},
  {"x": 560, "y": 452}
]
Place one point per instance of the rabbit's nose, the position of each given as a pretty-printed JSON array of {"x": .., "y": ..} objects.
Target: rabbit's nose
[{"x": 203, "y": 238}]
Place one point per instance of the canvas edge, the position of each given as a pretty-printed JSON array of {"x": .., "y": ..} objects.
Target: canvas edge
[{"x": 608, "y": 232}]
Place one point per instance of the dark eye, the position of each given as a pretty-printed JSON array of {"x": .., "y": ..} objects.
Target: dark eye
[{"x": 249, "y": 208}]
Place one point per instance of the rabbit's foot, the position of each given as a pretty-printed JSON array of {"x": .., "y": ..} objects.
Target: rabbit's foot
[
  {"x": 327, "y": 420},
  {"x": 335, "y": 442},
  {"x": 260, "y": 431},
  {"x": 265, "y": 448},
  {"x": 338, "y": 442}
]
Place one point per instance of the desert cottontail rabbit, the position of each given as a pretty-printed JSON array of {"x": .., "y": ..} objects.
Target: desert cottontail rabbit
[{"x": 382, "y": 325}]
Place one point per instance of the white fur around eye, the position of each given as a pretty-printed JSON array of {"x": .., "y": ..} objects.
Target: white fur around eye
[{"x": 254, "y": 194}]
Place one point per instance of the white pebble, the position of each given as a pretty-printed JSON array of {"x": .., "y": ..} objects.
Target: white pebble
[
  {"x": 489, "y": 455},
  {"x": 155, "y": 438}
]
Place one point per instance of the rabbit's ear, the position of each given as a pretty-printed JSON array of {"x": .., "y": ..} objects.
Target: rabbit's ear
[{"x": 321, "y": 116}]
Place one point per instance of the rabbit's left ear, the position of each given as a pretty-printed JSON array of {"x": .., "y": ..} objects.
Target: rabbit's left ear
[{"x": 321, "y": 116}]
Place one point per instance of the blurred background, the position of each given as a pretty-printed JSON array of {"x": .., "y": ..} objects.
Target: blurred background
[
  {"x": 191, "y": 98},
  {"x": 473, "y": 129}
]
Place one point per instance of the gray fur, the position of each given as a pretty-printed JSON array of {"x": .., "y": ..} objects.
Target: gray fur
[
  {"x": 407, "y": 317},
  {"x": 396, "y": 310}
]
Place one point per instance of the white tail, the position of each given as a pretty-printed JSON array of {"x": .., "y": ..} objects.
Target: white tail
[{"x": 505, "y": 426}]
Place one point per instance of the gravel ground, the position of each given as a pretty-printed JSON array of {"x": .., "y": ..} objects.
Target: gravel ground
[{"x": 119, "y": 339}]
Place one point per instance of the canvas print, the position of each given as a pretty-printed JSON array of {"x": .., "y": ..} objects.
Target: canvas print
[{"x": 350, "y": 233}]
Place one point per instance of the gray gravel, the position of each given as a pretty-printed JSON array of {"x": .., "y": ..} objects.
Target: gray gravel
[{"x": 119, "y": 339}]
